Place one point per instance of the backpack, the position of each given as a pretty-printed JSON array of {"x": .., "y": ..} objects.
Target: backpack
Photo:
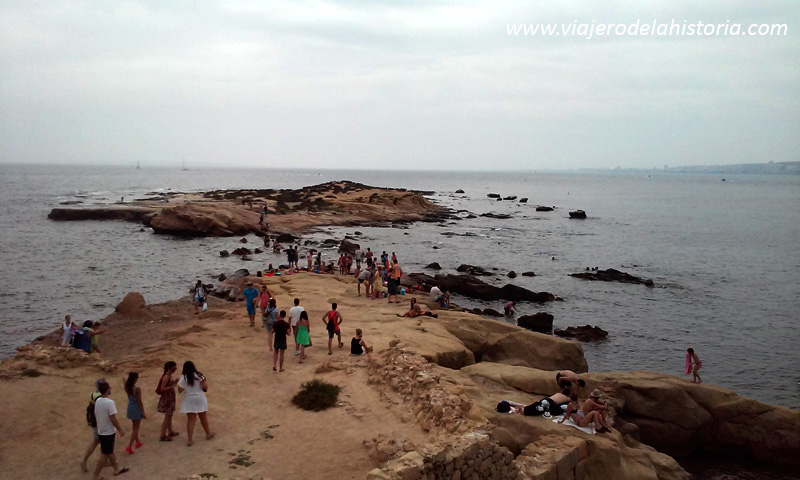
[
  {"x": 91, "y": 419},
  {"x": 82, "y": 340}
]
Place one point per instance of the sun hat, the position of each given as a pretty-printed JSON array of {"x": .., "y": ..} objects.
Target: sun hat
[{"x": 596, "y": 393}]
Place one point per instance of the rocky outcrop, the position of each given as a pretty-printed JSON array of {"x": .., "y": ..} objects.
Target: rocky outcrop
[
  {"x": 224, "y": 253},
  {"x": 541, "y": 208},
  {"x": 541, "y": 322},
  {"x": 494, "y": 341},
  {"x": 200, "y": 220},
  {"x": 584, "y": 333},
  {"x": 523, "y": 200},
  {"x": 242, "y": 251},
  {"x": 132, "y": 214},
  {"x": 433, "y": 266},
  {"x": 493, "y": 195},
  {"x": 512, "y": 274},
  {"x": 678, "y": 417},
  {"x": 579, "y": 214},
  {"x": 132, "y": 304},
  {"x": 472, "y": 287},
  {"x": 528, "y": 274},
  {"x": 612, "y": 275}
]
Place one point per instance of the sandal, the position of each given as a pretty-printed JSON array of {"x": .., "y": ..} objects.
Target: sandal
[
  {"x": 165, "y": 439},
  {"x": 126, "y": 469},
  {"x": 174, "y": 434}
]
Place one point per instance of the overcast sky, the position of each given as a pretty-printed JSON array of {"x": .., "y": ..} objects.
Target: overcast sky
[{"x": 417, "y": 84}]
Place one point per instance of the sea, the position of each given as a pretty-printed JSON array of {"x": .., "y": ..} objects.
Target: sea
[{"x": 724, "y": 253}]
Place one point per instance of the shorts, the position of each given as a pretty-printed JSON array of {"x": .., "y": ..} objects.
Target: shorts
[
  {"x": 439, "y": 299},
  {"x": 331, "y": 333},
  {"x": 107, "y": 444},
  {"x": 95, "y": 435},
  {"x": 251, "y": 309},
  {"x": 391, "y": 284},
  {"x": 507, "y": 310},
  {"x": 280, "y": 343}
]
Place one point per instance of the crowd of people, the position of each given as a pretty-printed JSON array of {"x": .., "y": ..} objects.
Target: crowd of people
[{"x": 101, "y": 413}]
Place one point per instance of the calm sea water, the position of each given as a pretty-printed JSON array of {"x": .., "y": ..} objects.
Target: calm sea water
[{"x": 725, "y": 256}]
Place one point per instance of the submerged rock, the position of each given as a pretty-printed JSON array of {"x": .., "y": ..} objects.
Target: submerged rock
[
  {"x": 493, "y": 195},
  {"x": 579, "y": 214},
  {"x": 224, "y": 253},
  {"x": 473, "y": 270},
  {"x": 544, "y": 209},
  {"x": 470, "y": 286},
  {"x": 528, "y": 274},
  {"x": 459, "y": 191},
  {"x": 434, "y": 266},
  {"x": 612, "y": 275},
  {"x": 585, "y": 333}
]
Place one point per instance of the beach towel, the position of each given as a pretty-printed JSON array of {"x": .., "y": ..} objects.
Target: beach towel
[
  {"x": 688, "y": 363},
  {"x": 589, "y": 429}
]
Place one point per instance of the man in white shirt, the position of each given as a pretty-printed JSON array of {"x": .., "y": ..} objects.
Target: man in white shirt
[
  {"x": 107, "y": 426},
  {"x": 436, "y": 295},
  {"x": 294, "y": 317}
]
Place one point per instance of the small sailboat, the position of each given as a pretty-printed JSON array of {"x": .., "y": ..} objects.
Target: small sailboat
[
  {"x": 138, "y": 167},
  {"x": 183, "y": 166}
]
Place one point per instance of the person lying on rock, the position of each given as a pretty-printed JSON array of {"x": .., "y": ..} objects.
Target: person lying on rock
[
  {"x": 549, "y": 405},
  {"x": 595, "y": 404},
  {"x": 416, "y": 311},
  {"x": 583, "y": 418}
]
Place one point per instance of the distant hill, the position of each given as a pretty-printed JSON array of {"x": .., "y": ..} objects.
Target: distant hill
[{"x": 771, "y": 168}]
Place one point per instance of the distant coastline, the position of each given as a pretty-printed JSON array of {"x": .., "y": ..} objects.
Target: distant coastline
[{"x": 770, "y": 168}]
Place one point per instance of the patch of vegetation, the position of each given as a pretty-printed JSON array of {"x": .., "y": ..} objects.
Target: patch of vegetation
[
  {"x": 31, "y": 372},
  {"x": 317, "y": 395},
  {"x": 243, "y": 460}
]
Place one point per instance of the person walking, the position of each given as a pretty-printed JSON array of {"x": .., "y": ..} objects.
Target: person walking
[
  {"x": 105, "y": 411},
  {"x": 294, "y": 317},
  {"x": 91, "y": 419},
  {"x": 199, "y": 297},
  {"x": 281, "y": 329},
  {"x": 194, "y": 386},
  {"x": 693, "y": 362},
  {"x": 166, "y": 401},
  {"x": 269, "y": 319},
  {"x": 332, "y": 320},
  {"x": 303, "y": 334},
  {"x": 135, "y": 411},
  {"x": 250, "y": 298}
]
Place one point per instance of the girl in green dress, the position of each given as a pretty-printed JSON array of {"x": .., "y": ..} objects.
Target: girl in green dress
[{"x": 303, "y": 334}]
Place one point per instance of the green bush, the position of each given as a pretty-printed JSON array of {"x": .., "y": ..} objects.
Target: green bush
[{"x": 317, "y": 395}]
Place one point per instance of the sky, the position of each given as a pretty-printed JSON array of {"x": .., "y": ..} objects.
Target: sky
[{"x": 390, "y": 84}]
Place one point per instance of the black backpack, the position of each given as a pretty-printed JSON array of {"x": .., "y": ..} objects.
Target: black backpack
[{"x": 91, "y": 419}]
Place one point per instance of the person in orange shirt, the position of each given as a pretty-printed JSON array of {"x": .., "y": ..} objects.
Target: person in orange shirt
[{"x": 395, "y": 273}]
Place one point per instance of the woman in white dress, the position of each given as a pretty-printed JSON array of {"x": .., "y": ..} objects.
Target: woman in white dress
[{"x": 193, "y": 386}]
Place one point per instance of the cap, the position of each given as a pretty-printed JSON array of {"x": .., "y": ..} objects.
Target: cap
[{"x": 249, "y": 283}]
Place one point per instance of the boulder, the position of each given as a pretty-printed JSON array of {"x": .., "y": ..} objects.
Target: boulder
[
  {"x": 544, "y": 209},
  {"x": 612, "y": 275},
  {"x": 499, "y": 216},
  {"x": 585, "y": 333},
  {"x": 357, "y": 233},
  {"x": 285, "y": 238},
  {"x": 510, "y": 197},
  {"x": 501, "y": 342},
  {"x": 242, "y": 272},
  {"x": 523, "y": 200},
  {"x": 132, "y": 304},
  {"x": 434, "y": 266},
  {"x": 579, "y": 214},
  {"x": 493, "y": 195},
  {"x": 512, "y": 274},
  {"x": 528, "y": 274},
  {"x": 242, "y": 240},
  {"x": 459, "y": 191},
  {"x": 224, "y": 253},
  {"x": 242, "y": 251},
  {"x": 258, "y": 250},
  {"x": 347, "y": 247},
  {"x": 541, "y": 322},
  {"x": 490, "y": 312},
  {"x": 221, "y": 277},
  {"x": 329, "y": 242}
]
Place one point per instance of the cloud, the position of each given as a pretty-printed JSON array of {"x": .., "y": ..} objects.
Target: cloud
[{"x": 391, "y": 85}]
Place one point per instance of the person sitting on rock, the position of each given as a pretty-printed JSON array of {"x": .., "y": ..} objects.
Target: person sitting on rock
[
  {"x": 416, "y": 311},
  {"x": 595, "y": 404},
  {"x": 569, "y": 382},
  {"x": 357, "y": 345},
  {"x": 582, "y": 418}
]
